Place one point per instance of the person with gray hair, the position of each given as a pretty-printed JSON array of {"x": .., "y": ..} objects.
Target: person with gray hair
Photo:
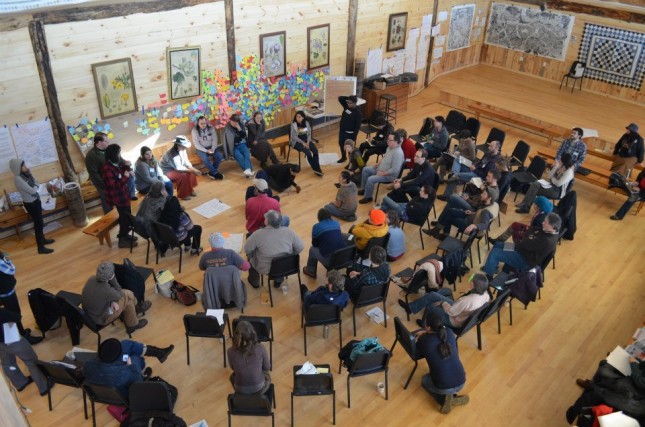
[
  {"x": 532, "y": 250},
  {"x": 387, "y": 170},
  {"x": 331, "y": 293},
  {"x": 453, "y": 313},
  {"x": 269, "y": 242}
]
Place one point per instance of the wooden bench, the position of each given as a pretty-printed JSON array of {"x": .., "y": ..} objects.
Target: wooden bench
[
  {"x": 597, "y": 176},
  {"x": 101, "y": 227},
  {"x": 547, "y": 130}
]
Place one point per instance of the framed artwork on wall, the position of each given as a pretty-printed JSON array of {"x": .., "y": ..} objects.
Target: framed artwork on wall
[
  {"x": 396, "y": 31},
  {"x": 318, "y": 46},
  {"x": 183, "y": 72},
  {"x": 114, "y": 82},
  {"x": 273, "y": 53}
]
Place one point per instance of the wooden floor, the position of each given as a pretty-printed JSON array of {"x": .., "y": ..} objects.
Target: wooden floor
[{"x": 525, "y": 376}]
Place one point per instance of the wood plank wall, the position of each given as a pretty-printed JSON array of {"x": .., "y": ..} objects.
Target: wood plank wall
[{"x": 555, "y": 69}]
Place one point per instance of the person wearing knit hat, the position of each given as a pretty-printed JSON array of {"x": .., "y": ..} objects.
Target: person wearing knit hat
[
  {"x": 375, "y": 226},
  {"x": 219, "y": 256},
  {"x": 628, "y": 151},
  {"x": 121, "y": 363},
  {"x": 542, "y": 206},
  {"x": 104, "y": 300}
]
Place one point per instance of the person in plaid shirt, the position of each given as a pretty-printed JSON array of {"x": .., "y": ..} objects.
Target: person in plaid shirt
[
  {"x": 575, "y": 146},
  {"x": 359, "y": 275},
  {"x": 115, "y": 187}
]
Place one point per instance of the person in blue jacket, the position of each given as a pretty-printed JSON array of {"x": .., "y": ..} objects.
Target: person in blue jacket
[{"x": 331, "y": 293}]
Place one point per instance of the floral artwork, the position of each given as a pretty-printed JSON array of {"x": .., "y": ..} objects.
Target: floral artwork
[
  {"x": 183, "y": 72},
  {"x": 115, "y": 87},
  {"x": 396, "y": 31},
  {"x": 318, "y": 46},
  {"x": 273, "y": 53}
]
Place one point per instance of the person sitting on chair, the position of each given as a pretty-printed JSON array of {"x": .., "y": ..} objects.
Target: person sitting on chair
[
  {"x": 409, "y": 149},
  {"x": 330, "y": 293},
  {"x": 188, "y": 234},
  {"x": 355, "y": 163},
  {"x": 396, "y": 243},
  {"x": 235, "y": 145},
  {"x": 637, "y": 194},
  {"x": 466, "y": 149},
  {"x": 104, "y": 300},
  {"x": 326, "y": 238},
  {"x": 249, "y": 361},
  {"x": 205, "y": 140},
  {"x": 260, "y": 147},
  {"x": 438, "y": 345},
  {"x": 358, "y": 275},
  {"x": 176, "y": 166},
  {"x": 121, "y": 363},
  {"x": 374, "y": 226},
  {"x": 259, "y": 205},
  {"x": 147, "y": 171},
  {"x": 629, "y": 151},
  {"x": 530, "y": 251},
  {"x": 560, "y": 176},
  {"x": 387, "y": 170},
  {"x": 439, "y": 139},
  {"x": 300, "y": 139},
  {"x": 346, "y": 202},
  {"x": 542, "y": 206},
  {"x": 219, "y": 256},
  {"x": 378, "y": 144},
  {"x": 479, "y": 169},
  {"x": 453, "y": 313},
  {"x": 416, "y": 210},
  {"x": 409, "y": 186}
]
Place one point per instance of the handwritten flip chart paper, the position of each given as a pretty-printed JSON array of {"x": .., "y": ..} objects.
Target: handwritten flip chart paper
[
  {"x": 374, "y": 62},
  {"x": 211, "y": 208},
  {"x": 411, "y": 51},
  {"x": 7, "y": 151},
  {"x": 336, "y": 86},
  {"x": 34, "y": 143}
]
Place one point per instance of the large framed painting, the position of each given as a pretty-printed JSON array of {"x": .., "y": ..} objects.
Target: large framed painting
[
  {"x": 183, "y": 72},
  {"x": 396, "y": 31},
  {"x": 273, "y": 53},
  {"x": 318, "y": 46},
  {"x": 114, "y": 82}
]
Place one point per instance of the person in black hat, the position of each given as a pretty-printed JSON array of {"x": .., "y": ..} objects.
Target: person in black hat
[
  {"x": 628, "y": 151},
  {"x": 121, "y": 363},
  {"x": 350, "y": 123}
]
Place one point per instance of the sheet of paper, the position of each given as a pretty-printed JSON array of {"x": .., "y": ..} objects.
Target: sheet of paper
[
  {"x": 439, "y": 40},
  {"x": 48, "y": 202},
  {"x": 7, "y": 150},
  {"x": 234, "y": 241},
  {"x": 464, "y": 161},
  {"x": 617, "y": 419},
  {"x": 217, "y": 313},
  {"x": 322, "y": 370},
  {"x": 411, "y": 51},
  {"x": 374, "y": 62},
  {"x": 443, "y": 15},
  {"x": 426, "y": 25},
  {"x": 211, "y": 208},
  {"x": 376, "y": 314},
  {"x": 201, "y": 423},
  {"x": 11, "y": 334},
  {"x": 619, "y": 359},
  {"x": 436, "y": 30},
  {"x": 437, "y": 52},
  {"x": 477, "y": 181},
  {"x": 422, "y": 50},
  {"x": 327, "y": 158},
  {"x": 544, "y": 183}
]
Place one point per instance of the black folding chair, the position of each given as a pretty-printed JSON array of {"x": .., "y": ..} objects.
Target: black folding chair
[
  {"x": 202, "y": 326},
  {"x": 472, "y": 321},
  {"x": 531, "y": 174},
  {"x": 495, "y": 308},
  {"x": 314, "y": 385},
  {"x": 420, "y": 224},
  {"x": 473, "y": 125},
  {"x": 520, "y": 154},
  {"x": 455, "y": 121},
  {"x": 252, "y": 405},
  {"x": 369, "y": 295},
  {"x": 282, "y": 267},
  {"x": 452, "y": 244},
  {"x": 168, "y": 236},
  {"x": 409, "y": 344},
  {"x": 321, "y": 315},
  {"x": 59, "y": 374},
  {"x": 341, "y": 258},
  {"x": 366, "y": 364},
  {"x": 373, "y": 242},
  {"x": 137, "y": 228},
  {"x": 263, "y": 326},
  {"x": 108, "y": 395},
  {"x": 147, "y": 396}
]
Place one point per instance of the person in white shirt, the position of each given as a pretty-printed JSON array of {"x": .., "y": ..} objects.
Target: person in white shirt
[{"x": 560, "y": 176}]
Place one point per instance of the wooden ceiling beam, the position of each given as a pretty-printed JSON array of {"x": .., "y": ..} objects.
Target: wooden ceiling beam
[{"x": 626, "y": 13}]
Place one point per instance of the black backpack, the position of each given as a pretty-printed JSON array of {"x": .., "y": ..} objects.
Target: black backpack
[{"x": 45, "y": 308}]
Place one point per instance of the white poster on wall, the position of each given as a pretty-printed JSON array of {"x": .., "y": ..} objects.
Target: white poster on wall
[
  {"x": 411, "y": 51},
  {"x": 7, "y": 151},
  {"x": 34, "y": 142},
  {"x": 374, "y": 62}
]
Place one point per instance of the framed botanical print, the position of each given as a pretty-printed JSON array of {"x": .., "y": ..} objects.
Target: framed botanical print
[
  {"x": 273, "y": 53},
  {"x": 183, "y": 72},
  {"x": 396, "y": 31},
  {"x": 318, "y": 46},
  {"x": 115, "y": 90}
]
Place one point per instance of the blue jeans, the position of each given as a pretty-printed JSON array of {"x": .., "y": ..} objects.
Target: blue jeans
[
  {"x": 498, "y": 254},
  {"x": 454, "y": 213},
  {"x": 205, "y": 158},
  {"x": 311, "y": 152},
  {"x": 337, "y": 212},
  {"x": 464, "y": 174},
  {"x": 242, "y": 156},
  {"x": 426, "y": 383},
  {"x": 390, "y": 205},
  {"x": 131, "y": 186},
  {"x": 433, "y": 152},
  {"x": 369, "y": 179},
  {"x": 428, "y": 302},
  {"x": 168, "y": 184},
  {"x": 134, "y": 349}
]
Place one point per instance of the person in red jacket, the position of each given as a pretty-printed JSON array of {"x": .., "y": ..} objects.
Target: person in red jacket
[{"x": 116, "y": 192}]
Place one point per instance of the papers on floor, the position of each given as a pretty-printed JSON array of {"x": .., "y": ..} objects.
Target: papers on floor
[
  {"x": 477, "y": 182},
  {"x": 544, "y": 183},
  {"x": 617, "y": 419},
  {"x": 619, "y": 359},
  {"x": 211, "y": 208},
  {"x": 217, "y": 313},
  {"x": 233, "y": 241},
  {"x": 377, "y": 315},
  {"x": 327, "y": 158},
  {"x": 201, "y": 423}
]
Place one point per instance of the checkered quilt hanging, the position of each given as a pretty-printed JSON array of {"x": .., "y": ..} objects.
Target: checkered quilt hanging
[{"x": 614, "y": 56}]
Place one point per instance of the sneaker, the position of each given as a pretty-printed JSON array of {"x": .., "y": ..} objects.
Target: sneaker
[
  {"x": 195, "y": 252},
  {"x": 141, "y": 324},
  {"x": 247, "y": 172},
  {"x": 460, "y": 400},
  {"x": 319, "y": 173},
  {"x": 522, "y": 211},
  {"x": 147, "y": 373},
  {"x": 44, "y": 250},
  {"x": 143, "y": 307},
  {"x": 33, "y": 340},
  {"x": 186, "y": 198},
  {"x": 211, "y": 175},
  {"x": 133, "y": 198},
  {"x": 218, "y": 176},
  {"x": 298, "y": 189},
  {"x": 586, "y": 384},
  {"x": 405, "y": 306},
  {"x": 193, "y": 194},
  {"x": 342, "y": 160},
  {"x": 365, "y": 200},
  {"x": 308, "y": 272}
]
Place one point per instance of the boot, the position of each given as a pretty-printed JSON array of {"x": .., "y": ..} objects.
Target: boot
[
  {"x": 160, "y": 353},
  {"x": 460, "y": 400},
  {"x": 502, "y": 237},
  {"x": 447, "y": 404}
]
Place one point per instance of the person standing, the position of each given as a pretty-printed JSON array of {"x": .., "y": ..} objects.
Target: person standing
[
  {"x": 177, "y": 167},
  {"x": 300, "y": 140},
  {"x": 628, "y": 151},
  {"x": 27, "y": 186},
  {"x": 205, "y": 140},
  {"x": 115, "y": 178},
  {"x": 350, "y": 123},
  {"x": 575, "y": 146}
]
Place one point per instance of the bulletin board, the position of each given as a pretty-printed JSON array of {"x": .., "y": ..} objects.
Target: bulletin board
[{"x": 336, "y": 86}]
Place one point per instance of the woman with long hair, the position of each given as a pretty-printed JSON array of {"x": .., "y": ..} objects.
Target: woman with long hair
[
  {"x": 301, "y": 141},
  {"x": 147, "y": 171},
  {"x": 249, "y": 361},
  {"x": 188, "y": 234},
  {"x": 205, "y": 140},
  {"x": 235, "y": 145},
  {"x": 258, "y": 144},
  {"x": 437, "y": 343}
]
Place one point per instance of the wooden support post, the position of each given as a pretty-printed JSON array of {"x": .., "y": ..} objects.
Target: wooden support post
[
  {"x": 351, "y": 37},
  {"x": 426, "y": 81},
  {"x": 41, "y": 54},
  {"x": 230, "y": 39}
]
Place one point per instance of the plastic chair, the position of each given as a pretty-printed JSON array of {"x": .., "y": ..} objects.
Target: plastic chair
[
  {"x": 369, "y": 295},
  {"x": 425, "y": 131},
  {"x": 369, "y": 128},
  {"x": 321, "y": 315},
  {"x": 577, "y": 73},
  {"x": 420, "y": 225},
  {"x": 283, "y": 266},
  {"x": 263, "y": 326},
  {"x": 366, "y": 364},
  {"x": 473, "y": 125},
  {"x": 520, "y": 154},
  {"x": 202, "y": 326},
  {"x": 452, "y": 244},
  {"x": 108, "y": 395},
  {"x": 409, "y": 344},
  {"x": 455, "y": 121},
  {"x": 495, "y": 134},
  {"x": 168, "y": 236},
  {"x": 86, "y": 320},
  {"x": 472, "y": 321},
  {"x": 314, "y": 385},
  {"x": 139, "y": 229},
  {"x": 341, "y": 258},
  {"x": 147, "y": 396},
  {"x": 531, "y": 174},
  {"x": 252, "y": 405},
  {"x": 59, "y": 374},
  {"x": 495, "y": 308}
]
